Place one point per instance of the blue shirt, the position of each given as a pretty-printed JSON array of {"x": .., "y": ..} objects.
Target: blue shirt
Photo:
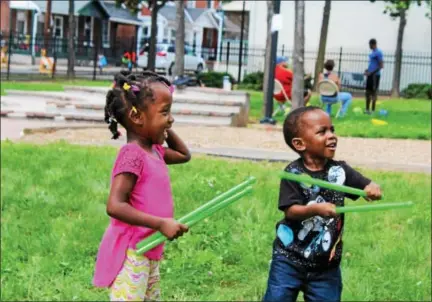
[{"x": 375, "y": 58}]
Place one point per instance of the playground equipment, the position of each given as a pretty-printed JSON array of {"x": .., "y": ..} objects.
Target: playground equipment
[
  {"x": 4, "y": 57},
  {"x": 46, "y": 64}
]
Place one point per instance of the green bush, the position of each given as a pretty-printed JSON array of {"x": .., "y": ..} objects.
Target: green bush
[
  {"x": 418, "y": 91},
  {"x": 214, "y": 79},
  {"x": 253, "y": 81}
]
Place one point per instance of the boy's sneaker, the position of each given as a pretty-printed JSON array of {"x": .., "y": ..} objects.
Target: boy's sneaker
[{"x": 367, "y": 112}]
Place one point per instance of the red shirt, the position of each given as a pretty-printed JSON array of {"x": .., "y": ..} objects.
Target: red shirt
[{"x": 285, "y": 76}]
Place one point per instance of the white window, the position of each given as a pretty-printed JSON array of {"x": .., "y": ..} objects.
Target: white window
[
  {"x": 21, "y": 24},
  {"x": 190, "y": 4},
  {"x": 58, "y": 27},
  {"x": 173, "y": 36},
  {"x": 106, "y": 33},
  {"x": 88, "y": 31}
]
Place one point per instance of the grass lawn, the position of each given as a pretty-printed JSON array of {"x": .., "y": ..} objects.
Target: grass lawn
[
  {"x": 56, "y": 85},
  {"x": 53, "y": 216},
  {"x": 407, "y": 118}
]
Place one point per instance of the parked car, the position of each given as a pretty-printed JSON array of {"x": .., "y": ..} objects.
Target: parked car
[{"x": 165, "y": 58}]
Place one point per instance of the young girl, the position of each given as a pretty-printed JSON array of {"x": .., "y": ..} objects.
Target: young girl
[
  {"x": 140, "y": 200},
  {"x": 307, "y": 250}
]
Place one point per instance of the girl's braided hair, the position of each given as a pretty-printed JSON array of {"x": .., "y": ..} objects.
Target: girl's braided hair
[{"x": 128, "y": 91}]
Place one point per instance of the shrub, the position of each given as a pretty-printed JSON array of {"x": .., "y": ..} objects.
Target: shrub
[
  {"x": 214, "y": 79},
  {"x": 418, "y": 91},
  {"x": 253, "y": 81}
]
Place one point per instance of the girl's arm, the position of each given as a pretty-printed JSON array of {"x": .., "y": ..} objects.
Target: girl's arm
[
  {"x": 119, "y": 208},
  {"x": 177, "y": 152}
]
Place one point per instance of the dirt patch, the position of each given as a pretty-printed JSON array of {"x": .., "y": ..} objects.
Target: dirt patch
[{"x": 392, "y": 151}]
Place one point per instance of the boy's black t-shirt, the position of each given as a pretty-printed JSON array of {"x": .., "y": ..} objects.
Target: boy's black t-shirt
[{"x": 316, "y": 242}]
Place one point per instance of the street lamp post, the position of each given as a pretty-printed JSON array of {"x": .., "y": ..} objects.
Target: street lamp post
[{"x": 270, "y": 84}]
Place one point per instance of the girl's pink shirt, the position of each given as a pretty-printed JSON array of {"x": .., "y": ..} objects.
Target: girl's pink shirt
[{"x": 151, "y": 195}]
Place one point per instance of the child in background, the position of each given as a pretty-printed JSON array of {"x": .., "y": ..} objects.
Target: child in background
[
  {"x": 308, "y": 248},
  {"x": 140, "y": 200}
]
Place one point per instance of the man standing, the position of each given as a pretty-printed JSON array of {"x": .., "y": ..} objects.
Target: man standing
[{"x": 373, "y": 74}]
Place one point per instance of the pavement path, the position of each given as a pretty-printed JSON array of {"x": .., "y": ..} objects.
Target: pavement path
[{"x": 241, "y": 143}]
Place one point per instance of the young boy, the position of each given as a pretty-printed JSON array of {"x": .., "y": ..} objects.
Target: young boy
[{"x": 308, "y": 248}]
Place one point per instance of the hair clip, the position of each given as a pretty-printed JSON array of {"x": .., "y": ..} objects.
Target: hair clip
[
  {"x": 126, "y": 86},
  {"x": 135, "y": 88},
  {"x": 134, "y": 110}
]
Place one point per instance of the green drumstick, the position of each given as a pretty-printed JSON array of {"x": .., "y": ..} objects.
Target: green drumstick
[
  {"x": 306, "y": 179},
  {"x": 373, "y": 207},
  {"x": 205, "y": 211}
]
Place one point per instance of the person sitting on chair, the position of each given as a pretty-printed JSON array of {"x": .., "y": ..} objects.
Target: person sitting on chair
[
  {"x": 329, "y": 89},
  {"x": 285, "y": 76}
]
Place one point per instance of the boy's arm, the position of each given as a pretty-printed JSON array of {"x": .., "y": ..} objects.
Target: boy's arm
[
  {"x": 292, "y": 204},
  {"x": 177, "y": 152},
  {"x": 356, "y": 180}
]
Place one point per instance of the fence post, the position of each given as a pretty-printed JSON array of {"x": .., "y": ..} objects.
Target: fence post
[
  {"x": 227, "y": 56},
  {"x": 220, "y": 51},
  {"x": 340, "y": 62},
  {"x": 9, "y": 53},
  {"x": 55, "y": 58},
  {"x": 96, "y": 46},
  {"x": 283, "y": 49}
]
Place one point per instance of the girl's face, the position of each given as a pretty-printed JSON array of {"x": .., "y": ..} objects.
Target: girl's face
[{"x": 156, "y": 119}]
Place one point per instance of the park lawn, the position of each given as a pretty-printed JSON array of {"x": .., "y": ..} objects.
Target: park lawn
[
  {"x": 53, "y": 217},
  {"x": 407, "y": 118},
  {"x": 55, "y": 85}
]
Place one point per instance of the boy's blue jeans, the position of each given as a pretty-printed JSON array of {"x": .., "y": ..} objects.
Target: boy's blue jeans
[{"x": 285, "y": 281}]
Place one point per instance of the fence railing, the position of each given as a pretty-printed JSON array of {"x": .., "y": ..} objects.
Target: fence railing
[{"x": 26, "y": 51}]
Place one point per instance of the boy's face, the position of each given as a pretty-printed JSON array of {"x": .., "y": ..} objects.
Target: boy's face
[{"x": 317, "y": 138}]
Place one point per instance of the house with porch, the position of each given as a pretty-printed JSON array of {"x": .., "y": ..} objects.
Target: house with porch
[
  {"x": 204, "y": 26},
  {"x": 98, "y": 24}
]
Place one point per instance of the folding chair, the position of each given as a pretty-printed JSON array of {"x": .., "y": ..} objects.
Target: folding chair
[
  {"x": 328, "y": 88},
  {"x": 278, "y": 88}
]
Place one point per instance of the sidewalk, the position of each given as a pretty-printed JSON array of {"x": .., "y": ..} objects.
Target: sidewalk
[{"x": 243, "y": 143}]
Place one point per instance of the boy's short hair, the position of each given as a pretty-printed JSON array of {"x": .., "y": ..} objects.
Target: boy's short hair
[
  {"x": 329, "y": 65},
  {"x": 292, "y": 125},
  {"x": 372, "y": 42}
]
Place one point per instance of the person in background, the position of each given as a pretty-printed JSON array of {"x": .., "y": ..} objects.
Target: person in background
[
  {"x": 344, "y": 97},
  {"x": 285, "y": 76},
  {"x": 373, "y": 74}
]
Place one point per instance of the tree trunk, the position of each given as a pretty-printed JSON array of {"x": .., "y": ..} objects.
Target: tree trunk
[
  {"x": 71, "y": 34},
  {"x": 267, "y": 63},
  {"x": 319, "y": 64},
  {"x": 151, "y": 59},
  {"x": 47, "y": 26},
  {"x": 398, "y": 55},
  {"x": 298, "y": 56},
  {"x": 180, "y": 37}
]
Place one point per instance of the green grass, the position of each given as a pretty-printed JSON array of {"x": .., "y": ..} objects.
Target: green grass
[
  {"x": 53, "y": 216},
  {"x": 407, "y": 118},
  {"x": 56, "y": 85}
]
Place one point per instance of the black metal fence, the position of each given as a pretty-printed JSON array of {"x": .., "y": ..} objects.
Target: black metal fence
[
  {"x": 23, "y": 54},
  {"x": 416, "y": 67}
]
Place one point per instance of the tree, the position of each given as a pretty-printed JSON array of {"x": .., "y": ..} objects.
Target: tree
[
  {"x": 154, "y": 6},
  {"x": 71, "y": 48},
  {"x": 398, "y": 9},
  {"x": 267, "y": 63},
  {"x": 180, "y": 37},
  {"x": 47, "y": 25},
  {"x": 298, "y": 55},
  {"x": 319, "y": 64}
]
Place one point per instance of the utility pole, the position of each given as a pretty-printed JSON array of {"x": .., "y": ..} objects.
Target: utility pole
[{"x": 269, "y": 100}]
